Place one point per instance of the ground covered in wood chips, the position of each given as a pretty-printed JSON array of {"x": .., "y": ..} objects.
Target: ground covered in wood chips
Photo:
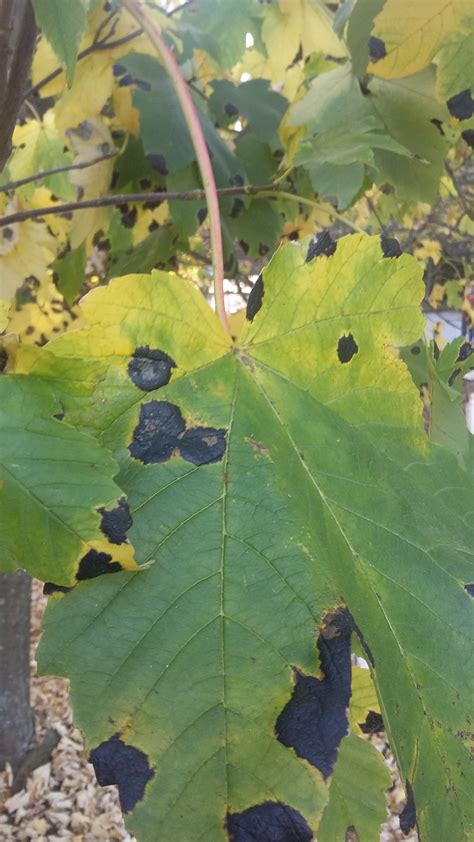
[{"x": 62, "y": 799}]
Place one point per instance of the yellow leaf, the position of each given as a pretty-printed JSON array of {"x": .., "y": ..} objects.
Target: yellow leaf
[
  {"x": 294, "y": 24},
  {"x": 127, "y": 115},
  {"x": 364, "y": 697},
  {"x": 4, "y": 314},
  {"x": 44, "y": 316},
  {"x": 436, "y": 296},
  {"x": 145, "y": 217},
  {"x": 26, "y": 249},
  {"x": 429, "y": 248},
  {"x": 413, "y": 32},
  {"x": 89, "y": 141}
]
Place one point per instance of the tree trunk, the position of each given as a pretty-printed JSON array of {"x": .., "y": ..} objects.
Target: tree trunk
[
  {"x": 17, "y": 41},
  {"x": 16, "y": 720}
]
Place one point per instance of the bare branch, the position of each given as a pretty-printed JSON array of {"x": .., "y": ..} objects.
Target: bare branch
[{"x": 17, "y": 41}]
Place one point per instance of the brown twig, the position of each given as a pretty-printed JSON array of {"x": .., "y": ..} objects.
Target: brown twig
[
  {"x": 17, "y": 41},
  {"x": 123, "y": 198}
]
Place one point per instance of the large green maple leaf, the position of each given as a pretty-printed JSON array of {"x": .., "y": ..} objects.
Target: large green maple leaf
[{"x": 285, "y": 496}]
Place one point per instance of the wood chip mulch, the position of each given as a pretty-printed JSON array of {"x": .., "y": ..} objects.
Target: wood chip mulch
[{"x": 62, "y": 799}]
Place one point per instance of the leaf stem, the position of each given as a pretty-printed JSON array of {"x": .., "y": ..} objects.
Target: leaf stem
[{"x": 200, "y": 147}]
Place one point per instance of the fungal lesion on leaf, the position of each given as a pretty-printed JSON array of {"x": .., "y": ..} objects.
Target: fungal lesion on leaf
[
  {"x": 116, "y": 762},
  {"x": 347, "y": 348},
  {"x": 315, "y": 719},
  {"x": 259, "y": 447},
  {"x": 150, "y": 368},
  {"x": 162, "y": 433},
  {"x": 270, "y": 821},
  {"x": 116, "y": 522}
]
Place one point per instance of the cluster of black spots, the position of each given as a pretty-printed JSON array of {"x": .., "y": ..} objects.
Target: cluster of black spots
[
  {"x": 464, "y": 352},
  {"x": 373, "y": 723},
  {"x": 95, "y": 563},
  {"x": 408, "y": 814},
  {"x": 116, "y": 522},
  {"x": 461, "y": 105},
  {"x": 469, "y": 589},
  {"x": 128, "y": 215},
  {"x": 377, "y": 49},
  {"x": 390, "y": 246},
  {"x": 314, "y": 721},
  {"x": 125, "y": 79},
  {"x": 150, "y": 368},
  {"x": 347, "y": 347},
  {"x": 271, "y": 821},
  {"x": 50, "y": 588},
  {"x": 322, "y": 243},
  {"x": 255, "y": 299},
  {"x": 161, "y": 430},
  {"x": 468, "y": 136},
  {"x": 125, "y": 766}
]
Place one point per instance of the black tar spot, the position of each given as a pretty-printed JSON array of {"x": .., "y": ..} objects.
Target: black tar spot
[
  {"x": 408, "y": 814},
  {"x": 50, "y": 587},
  {"x": 464, "y": 352},
  {"x": 231, "y": 110},
  {"x": 150, "y": 368},
  {"x": 314, "y": 721},
  {"x": 377, "y": 49},
  {"x": 453, "y": 375},
  {"x": 390, "y": 246},
  {"x": 201, "y": 215},
  {"x": 202, "y": 445},
  {"x": 322, "y": 243},
  {"x": 461, "y": 105},
  {"x": 415, "y": 350},
  {"x": 468, "y": 136},
  {"x": 116, "y": 522},
  {"x": 156, "y": 434},
  {"x": 373, "y": 723},
  {"x": 95, "y": 564},
  {"x": 158, "y": 162},
  {"x": 115, "y": 762},
  {"x": 271, "y": 821},
  {"x": 347, "y": 347},
  {"x": 255, "y": 299},
  {"x": 237, "y": 208},
  {"x": 470, "y": 589}
]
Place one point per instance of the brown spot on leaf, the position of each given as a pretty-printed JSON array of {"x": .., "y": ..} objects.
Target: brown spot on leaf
[
  {"x": 373, "y": 723},
  {"x": 115, "y": 762},
  {"x": 258, "y": 446},
  {"x": 270, "y": 821}
]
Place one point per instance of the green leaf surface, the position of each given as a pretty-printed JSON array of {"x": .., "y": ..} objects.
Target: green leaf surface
[
  {"x": 358, "y": 32},
  {"x": 54, "y": 482},
  {"x": 69, "y": 273},
  {"x": 295, "y": 477},
  {"x": 357, "y": 793},
  {"x": 63, "y": 24},
  {"x": 225, "y": 24},
  {"x": 455, "y": 64},
  {"x": 254, "y": 100}
]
